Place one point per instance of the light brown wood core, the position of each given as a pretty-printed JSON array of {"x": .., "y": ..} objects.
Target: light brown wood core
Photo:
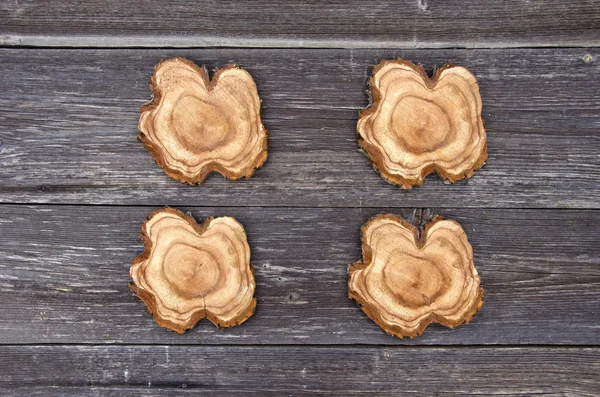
[
  {"x": 195, "y": 126},
  {"x": 405, "y": 283},
  {"x": 416, "y": 125},
  {"x": 190, "y": 271}
]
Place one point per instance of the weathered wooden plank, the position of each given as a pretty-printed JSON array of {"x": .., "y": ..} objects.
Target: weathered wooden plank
[
  {"x": 277, "y": 23},
  {"x": 68, "y": 124},
  {"x": 266, "y": 371},
  {"x": 64, "y": 273}
]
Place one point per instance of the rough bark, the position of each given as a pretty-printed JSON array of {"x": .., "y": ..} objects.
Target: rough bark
[
  {"x": 405, "y": 282},
  {"x": 416, "y": 125},
  {"x": 195, "y": 126},
  {"x": 189, "y": 271}
]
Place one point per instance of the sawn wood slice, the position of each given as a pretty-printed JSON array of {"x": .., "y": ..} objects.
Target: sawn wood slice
[
  {"x": 190, "y": 271},
  {"x": 416, "y": 125},
  {"x": 195, "y": 126},
  {"x": 404, "y": 282}
]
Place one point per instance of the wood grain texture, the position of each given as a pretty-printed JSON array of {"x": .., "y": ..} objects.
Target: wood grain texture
[
  {"x": 190, "y": 271},
  {"x": 416, "y": 125},
  {"x": 68, "y": 124},
  {"x": 298, "y": 371},
  {"x": 410, "y": 277},
  {"x": 278, "y": 23},
  {"x": 196, "y": 125},
  {"x": 64, "y": 273}
]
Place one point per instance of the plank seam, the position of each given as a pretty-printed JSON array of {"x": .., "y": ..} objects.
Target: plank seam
[
  {"x": 197, "y": 42},
  {"x": 195, "y": 206},
  {"x": 312, "y": 346}
]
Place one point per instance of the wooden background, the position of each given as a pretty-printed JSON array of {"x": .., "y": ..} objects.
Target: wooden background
[{"x": 75, "y": 185}]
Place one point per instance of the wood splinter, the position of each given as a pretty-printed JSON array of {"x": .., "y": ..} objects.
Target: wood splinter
[
  {"x": 195, "y": 126},
  {"x": 404, "y": 282},
  {"x": 189, "y": 271},
  {"x": 416, "y": 125}
]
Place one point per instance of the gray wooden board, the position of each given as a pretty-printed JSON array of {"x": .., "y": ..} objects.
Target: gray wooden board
[
  {"x": 64, "y": 272},
  {"x": 266, "y": 371},
  {"x": 75, "y": 186},
  {"x": 68, "y": 124},
  {"x": 280, "y": 23}
]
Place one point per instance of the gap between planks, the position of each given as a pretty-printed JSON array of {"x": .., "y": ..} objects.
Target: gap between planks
[
  {"x": 324, "y": 207},
  {"x": 198, "y": 42},
  {"x": 547, "y": 346}
]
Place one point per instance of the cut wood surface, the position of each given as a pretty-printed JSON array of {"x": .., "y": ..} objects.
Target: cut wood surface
[
  {"x": 406, "y": 281},
  {"x": 298, "y": 371},
  {"x": 189, "y": 272},
  {"x": 64, "y": 272},
  {"x": 417, "y": 125},
  {"x": 68, "y": 120},
  {"x": 196, "y": 125},
  {"x": 280, "y": 23}
]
